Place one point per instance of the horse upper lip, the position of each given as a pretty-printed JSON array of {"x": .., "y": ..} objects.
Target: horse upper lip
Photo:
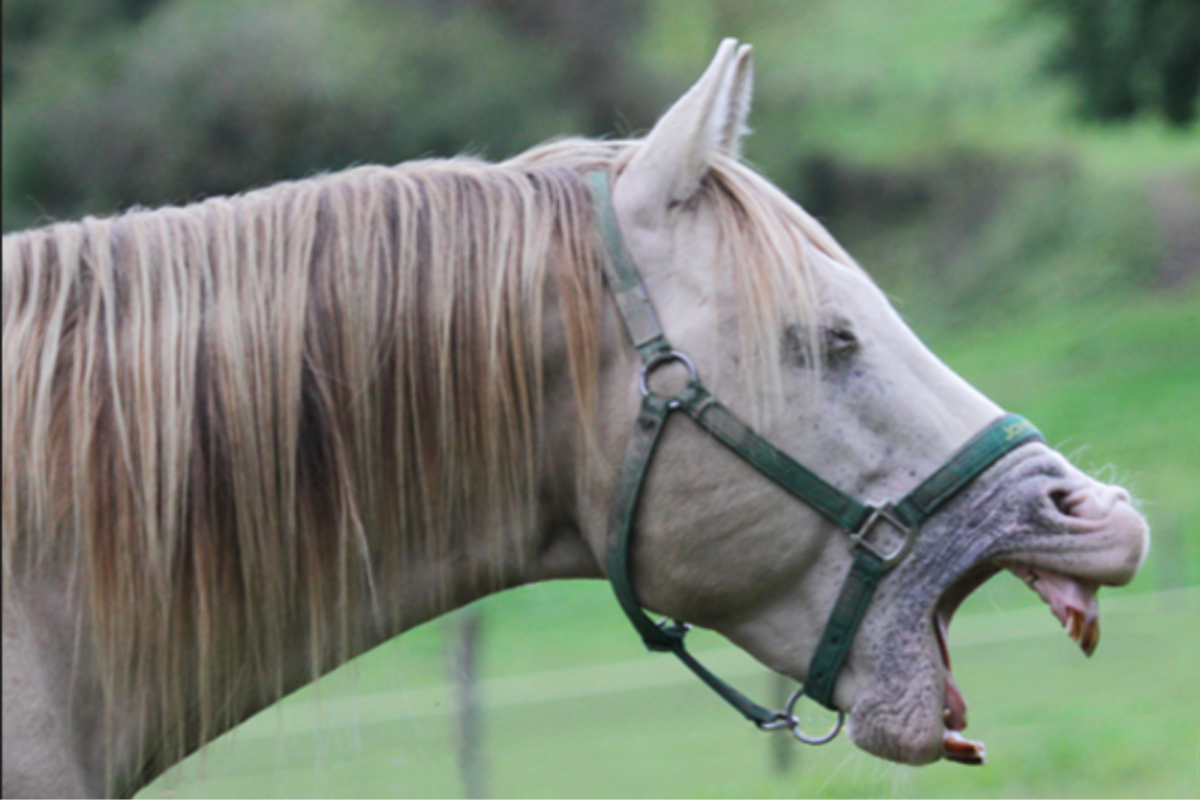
[{"x": 1072, "y": 600}]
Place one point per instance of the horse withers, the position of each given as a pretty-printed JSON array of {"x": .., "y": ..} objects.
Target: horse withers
[{"x": 249, "y": 439}]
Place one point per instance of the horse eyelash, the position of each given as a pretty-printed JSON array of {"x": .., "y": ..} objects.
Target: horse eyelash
[
  {"x": 838, "y": 342},
  {"x": 839, "y": 339}
]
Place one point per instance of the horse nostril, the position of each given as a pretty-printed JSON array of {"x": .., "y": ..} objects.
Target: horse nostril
[
  {"x": 1061, "y": 500},
  {"x": 1093, "y": 502}
]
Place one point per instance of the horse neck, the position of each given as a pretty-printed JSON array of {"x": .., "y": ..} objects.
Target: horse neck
[
  {"x": 433, "y": 581},
  {"x": 270, "y": 597}
]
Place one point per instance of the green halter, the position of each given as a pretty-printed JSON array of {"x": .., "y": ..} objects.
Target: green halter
[{"x": 857, "y": 518}]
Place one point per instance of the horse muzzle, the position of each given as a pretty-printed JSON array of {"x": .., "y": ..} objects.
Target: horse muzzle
[{"x": 1064, "y": 534}]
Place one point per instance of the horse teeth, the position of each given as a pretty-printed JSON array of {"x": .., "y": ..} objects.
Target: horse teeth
[
  {"x": 1074, "y": 624},
  {"x": 961, "y": 750},
  {"x": 1091, "y": 637},
  {"x": 1083, "y": 631}
]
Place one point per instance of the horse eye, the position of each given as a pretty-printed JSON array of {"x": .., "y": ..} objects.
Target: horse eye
[{"x": 840, "y": 342}]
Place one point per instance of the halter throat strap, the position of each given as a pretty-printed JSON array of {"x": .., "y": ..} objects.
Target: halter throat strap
[{"x": 864, "y": 522}]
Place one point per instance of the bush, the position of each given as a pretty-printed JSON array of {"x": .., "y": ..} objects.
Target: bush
[
  {"x": 206, "y": 98},
  {"x": 969, "y": 236}
]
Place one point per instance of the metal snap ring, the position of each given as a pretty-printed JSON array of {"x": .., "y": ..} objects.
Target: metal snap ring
[
  {"x": 777, "y": 722},
  {"x": 658, "y": 361},
  {"x": 794, "y": 721}
]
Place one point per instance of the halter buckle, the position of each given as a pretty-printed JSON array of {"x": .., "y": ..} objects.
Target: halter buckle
[{"x": 885, "y": 513}]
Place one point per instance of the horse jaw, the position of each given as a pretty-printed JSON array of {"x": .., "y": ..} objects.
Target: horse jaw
[{"x": 1032, "y": 514}]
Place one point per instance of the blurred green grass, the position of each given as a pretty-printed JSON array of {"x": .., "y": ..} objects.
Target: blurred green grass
[
  {"x": 1121, "y": 725},
  {"x": 1058, "y": 320},
  {"x": 1111, "y": 384}
]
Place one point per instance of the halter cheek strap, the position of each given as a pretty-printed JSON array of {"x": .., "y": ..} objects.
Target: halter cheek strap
[{"x": 861, "y": 520}]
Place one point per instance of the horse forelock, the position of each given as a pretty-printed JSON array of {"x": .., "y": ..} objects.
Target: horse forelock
[{"x": 229, "y": 419}]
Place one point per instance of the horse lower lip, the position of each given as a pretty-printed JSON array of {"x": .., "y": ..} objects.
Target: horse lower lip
[
  {"x": 954, "y": 704},
  {"x": 955, "y": 747},
  {"x": 963, "y": 751},
  {"x": 954, "y": 714}
]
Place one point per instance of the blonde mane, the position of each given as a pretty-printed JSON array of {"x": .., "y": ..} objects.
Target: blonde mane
[{"x": 223, "y": 421}]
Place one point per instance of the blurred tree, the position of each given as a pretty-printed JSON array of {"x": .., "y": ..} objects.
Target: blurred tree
[
  {"x": 1128, "y": 56},
  {"x": 31, "y": 25},
  {"x": 114, "y": 102},
  {"x": 593, "y": 38}
]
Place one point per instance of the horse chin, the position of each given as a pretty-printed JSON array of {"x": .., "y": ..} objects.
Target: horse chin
[{"x": 906, "y": 729}]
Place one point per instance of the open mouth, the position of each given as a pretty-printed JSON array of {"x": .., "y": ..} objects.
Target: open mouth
[{"x": 1072, "y": 601}]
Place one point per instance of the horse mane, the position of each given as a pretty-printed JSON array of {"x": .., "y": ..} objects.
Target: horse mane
[{"x": 225, "y": 420}]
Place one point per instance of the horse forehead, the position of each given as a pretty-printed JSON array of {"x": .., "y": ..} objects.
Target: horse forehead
[
  {"x": 842, "y": 286},
  {"x": 849, "y": 297},
  {"x": 680, "y": 264}
]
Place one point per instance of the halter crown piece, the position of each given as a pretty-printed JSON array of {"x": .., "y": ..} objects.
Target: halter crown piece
[{"x": 858, "y": 519}]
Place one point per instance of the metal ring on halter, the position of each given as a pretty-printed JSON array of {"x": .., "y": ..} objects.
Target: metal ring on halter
[
  {"x": 658, "y": 361},
  {"x": 794, "y": 721},
  {"x": 678, "y": 624}
]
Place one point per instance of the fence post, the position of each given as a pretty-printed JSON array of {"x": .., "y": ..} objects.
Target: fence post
[
  {"x": 783, "y": 746},
  {"x": 468, "y": 728}
]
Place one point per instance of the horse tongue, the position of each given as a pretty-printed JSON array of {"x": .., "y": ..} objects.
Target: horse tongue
[
  {"x": 954, "y": 705},
  {"x": 954, "y": 746},
  {"x": 1072, "y": 600},
  {"x": 955, "y": 714}
]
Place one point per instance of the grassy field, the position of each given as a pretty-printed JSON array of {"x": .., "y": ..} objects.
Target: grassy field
[
  {"x": 1123, "y": 725},
  {"x": 574, "y": 707}
]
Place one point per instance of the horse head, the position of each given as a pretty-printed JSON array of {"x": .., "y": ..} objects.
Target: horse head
[{"x": 789, "y": 332}]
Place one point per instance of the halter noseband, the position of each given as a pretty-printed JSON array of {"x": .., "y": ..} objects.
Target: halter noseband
[{"x": 858, "y": 519}]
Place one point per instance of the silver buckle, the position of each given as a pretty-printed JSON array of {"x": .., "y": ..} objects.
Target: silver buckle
[{"x": 884, "y": 513}]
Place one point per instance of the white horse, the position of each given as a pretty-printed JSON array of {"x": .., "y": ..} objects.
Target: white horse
[{"x": 249, "y": 439}]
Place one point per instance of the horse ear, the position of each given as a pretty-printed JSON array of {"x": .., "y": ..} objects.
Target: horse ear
[
  {"x": 734, "y": 127},
  {"x": 710, "y": 117}
]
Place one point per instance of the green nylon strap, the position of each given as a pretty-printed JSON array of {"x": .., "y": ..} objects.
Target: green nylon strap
[
  {"x": 853, "y": 516},
  {"x": 847, "y": 614},
  {"x": 631, "y": 474},
  {"x": 967, "y": 464},
  {"x": 621, "y": 275},
  {"x": 621, "y": 512},
  {"x": 983, "y": 450},
  {"x": 868, "y": 567},
  {"x": 777, "y": 465}
]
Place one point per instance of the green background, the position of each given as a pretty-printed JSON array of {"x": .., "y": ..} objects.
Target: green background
[{"x": 1052, "y": 262}]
